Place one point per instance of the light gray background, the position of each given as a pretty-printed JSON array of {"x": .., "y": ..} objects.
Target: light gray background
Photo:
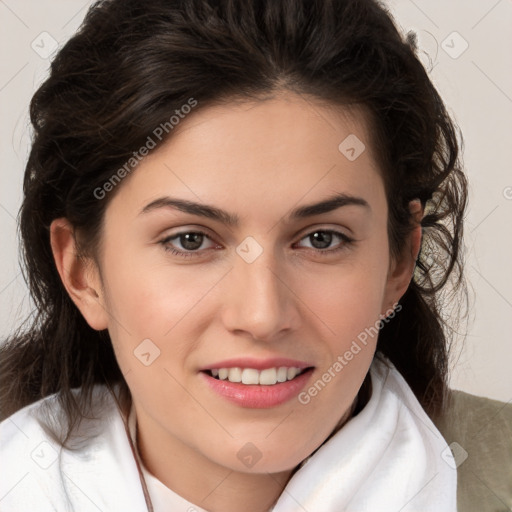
[{"x": 476, "y": 84}]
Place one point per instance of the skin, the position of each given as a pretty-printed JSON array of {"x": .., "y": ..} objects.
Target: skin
[{"x": 257, "y": 160}]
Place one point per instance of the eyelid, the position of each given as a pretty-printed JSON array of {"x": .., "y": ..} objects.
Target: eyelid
[
  {"x": 312, "y": 228},
  {"x": 177, "y": 234},
  {"x": 345, "y": 233},
  {"x": 182, "y": 230}
]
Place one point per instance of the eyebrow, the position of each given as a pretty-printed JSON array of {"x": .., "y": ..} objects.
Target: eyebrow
[{"x": 211, "y": 212}]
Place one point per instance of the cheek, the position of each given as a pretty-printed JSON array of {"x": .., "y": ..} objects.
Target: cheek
[
  {"x": 156, "y": 301},
  {"x": 149, "y": 289},
  {"x": 347, "y": 297},
  {"x": 156, "y": 324},
  {"x": 350, "y": 308}
]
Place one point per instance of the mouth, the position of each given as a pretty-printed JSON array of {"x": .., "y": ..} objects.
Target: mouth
[
  {"x": 254, "y": 377},
  {"x": 271, "y": 385}
]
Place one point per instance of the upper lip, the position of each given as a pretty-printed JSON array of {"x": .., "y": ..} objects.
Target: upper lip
[{"x": 258, "y": 364}]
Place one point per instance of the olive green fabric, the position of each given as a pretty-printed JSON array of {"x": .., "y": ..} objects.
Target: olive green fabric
[{"x": 479, "y": 432}]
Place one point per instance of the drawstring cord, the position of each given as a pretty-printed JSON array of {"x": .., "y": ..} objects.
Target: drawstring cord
[{"x": 131, "y": 432}]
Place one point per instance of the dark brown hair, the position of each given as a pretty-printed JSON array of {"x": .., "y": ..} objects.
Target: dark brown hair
[{"x": 126, "y": 70}]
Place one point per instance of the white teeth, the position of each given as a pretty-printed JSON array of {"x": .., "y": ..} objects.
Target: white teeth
[
  {"x": 282, "y": 374},
  {"x": 235, "y": 375},
  {"x": 250, "y": 376},
  {"x": 268, "y": 377},
  {"x": 291, "y": 373}
]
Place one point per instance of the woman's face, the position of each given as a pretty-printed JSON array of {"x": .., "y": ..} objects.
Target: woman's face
[{"x": 272, "y": 283}]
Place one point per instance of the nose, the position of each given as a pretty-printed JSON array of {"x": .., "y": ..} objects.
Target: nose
[{"x": 259, "y": 302}]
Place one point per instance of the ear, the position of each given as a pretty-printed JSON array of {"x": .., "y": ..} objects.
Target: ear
[
  {"x": 402, "y": 268},
  {"x": 80, "y": 277}
]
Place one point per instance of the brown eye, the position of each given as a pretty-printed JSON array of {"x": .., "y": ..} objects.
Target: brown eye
[
  {"x": 321, "y": 240},
  {"x": 190, "y": 241}
]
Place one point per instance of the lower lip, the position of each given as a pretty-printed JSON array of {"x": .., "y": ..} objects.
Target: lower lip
[{"x": 258, "y": 396}]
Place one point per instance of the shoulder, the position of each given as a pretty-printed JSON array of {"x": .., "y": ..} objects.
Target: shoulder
[
  {"x": 26, "y": 454},
  {"x": 479, "y": 432},
  {"x": 46, "y": 419},
  {"x": 40, "y": 474}
]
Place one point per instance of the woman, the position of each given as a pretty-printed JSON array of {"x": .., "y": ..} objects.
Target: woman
[{"x": 238, "y": 220}]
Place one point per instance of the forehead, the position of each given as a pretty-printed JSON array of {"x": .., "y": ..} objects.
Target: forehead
[
  {"x": 249, "y": 154},
  {"x": 272, "y": 126}
]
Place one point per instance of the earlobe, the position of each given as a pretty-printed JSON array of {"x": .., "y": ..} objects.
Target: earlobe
[{"x": 80, "y": 277}]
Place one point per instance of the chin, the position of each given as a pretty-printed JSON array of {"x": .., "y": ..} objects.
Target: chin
[{"x": 256, "y": 458}]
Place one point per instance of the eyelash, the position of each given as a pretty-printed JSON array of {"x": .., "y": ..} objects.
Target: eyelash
[{"x": 346, "y": 242}]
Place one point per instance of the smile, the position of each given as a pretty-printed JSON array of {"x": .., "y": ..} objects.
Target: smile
[
  {"x": 257, "y": 384},
  {"x": 251, "y": 376}
]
